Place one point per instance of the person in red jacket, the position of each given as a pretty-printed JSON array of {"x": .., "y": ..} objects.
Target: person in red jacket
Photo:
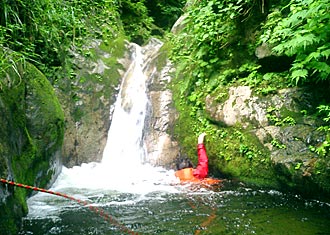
[{"x": 186, "y": 172}]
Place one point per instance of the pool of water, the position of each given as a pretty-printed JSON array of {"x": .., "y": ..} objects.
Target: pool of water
[{"x": 230, "y": 208}]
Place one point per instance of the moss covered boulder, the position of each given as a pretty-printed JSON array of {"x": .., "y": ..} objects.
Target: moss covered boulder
[
  {"x": 31, "y": 136},
  {"x": 284, "y": 126}
]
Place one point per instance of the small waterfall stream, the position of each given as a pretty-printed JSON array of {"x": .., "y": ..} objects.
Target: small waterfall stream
[
  {"x": 124, "y": 144},
  {"x": 147, "y": 200}
]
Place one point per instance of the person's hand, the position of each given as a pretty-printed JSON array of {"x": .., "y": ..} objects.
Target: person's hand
[{"x": 201, "y": 138}]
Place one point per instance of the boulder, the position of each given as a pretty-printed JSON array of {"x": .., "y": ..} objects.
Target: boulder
[
  {"x": 283, "y": 124},
  {"x": 31, "y": 137}
]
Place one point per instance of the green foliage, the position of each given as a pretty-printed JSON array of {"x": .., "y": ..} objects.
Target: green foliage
[
  {"x": 246, "y": 151},
  {"x": 303, "y": 34},
  {"x": 209, "y": 41},
  {"x": 277, "y": 144},
  {"x": 45, "y": 31},
  {"x": 298, "y": 165},
  {"x": 165, "y": 13},
  {"x": 12, "y": 66},
  {"x": 323, "y": 149},
  {"x": 275, "y": 118},
  {"x": 141, "y": 19},
  {"x": 136, "y": 21},
  {"x": 324, "y": 110}
]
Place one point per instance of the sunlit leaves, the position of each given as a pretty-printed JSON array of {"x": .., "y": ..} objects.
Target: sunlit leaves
[
  {"x": 303, "y": 34},
  {"x": 325, "y": 53},
  {"x": 323, "y": 149},
  {"x": 45, "y": 31},
  {"x": 298, "y": 75},
  {"x": 298, "y": 42}
]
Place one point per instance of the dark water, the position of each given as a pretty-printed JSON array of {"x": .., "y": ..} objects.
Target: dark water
[{"x": 232, "y": 209}]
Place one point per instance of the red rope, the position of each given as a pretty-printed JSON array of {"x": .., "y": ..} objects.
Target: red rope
[{"x": 98, "y": 211}]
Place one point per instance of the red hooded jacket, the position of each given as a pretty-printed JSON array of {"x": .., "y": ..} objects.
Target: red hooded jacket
[
  {"x": 200, "y": 172},
  {"x": 202, "y": 168}
]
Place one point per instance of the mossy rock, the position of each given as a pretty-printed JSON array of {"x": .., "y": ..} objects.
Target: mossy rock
[{"x": 31, "y": 140}]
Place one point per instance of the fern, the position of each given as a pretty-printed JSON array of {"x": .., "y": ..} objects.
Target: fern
[
  {"x": 296, "y": 19},
  {"x": 296, "y": 44},
  {"x": 303, "y": 34},
  {"x": 325, "y": 53},
  {"x": 210, "y": 28},
  {"x": 298, "y": 75}
]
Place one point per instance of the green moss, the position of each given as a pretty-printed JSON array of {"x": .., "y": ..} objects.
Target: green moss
[
  {"x": 163, "y": 56},
  {"x": 44, "y": 93},
  {"x": 115, "y": 47},
  {"x": 33, "y": 130},
  {"x": 9, "y": 218},
  {"x": 321, "y": 174}
]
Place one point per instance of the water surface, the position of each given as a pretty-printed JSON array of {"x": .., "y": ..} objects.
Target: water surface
[{"x": 165, "y": 208}]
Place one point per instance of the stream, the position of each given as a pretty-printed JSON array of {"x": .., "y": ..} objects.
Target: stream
[{"x": 142, "y": 199}]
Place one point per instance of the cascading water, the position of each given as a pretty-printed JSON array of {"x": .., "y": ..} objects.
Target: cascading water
[
  {"x": 124, "y": 154},
  {"x": 143, "y": 198},
  {"x": 122, "y": 169},
  {"x": 124, "y": 143},
  {"x": 122, "y": 165}
]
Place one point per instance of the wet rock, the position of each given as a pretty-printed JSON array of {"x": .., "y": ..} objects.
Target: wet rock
[
  {"x": 179, "y": 24},
  {"x": 31, "y": 136},
  {"x": 161, "y": 149},
  {"x": 240, "y": 107},
  {"x": 88, "y": 101},
  {"x": 263, "y": 51}
]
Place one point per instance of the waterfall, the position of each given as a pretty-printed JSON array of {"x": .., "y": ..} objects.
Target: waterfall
[
  {"x": 124, "y": 144},
  {"x": 122, "y": 167}
]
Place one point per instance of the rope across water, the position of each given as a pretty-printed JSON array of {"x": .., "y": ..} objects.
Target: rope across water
[{"x": 98, "y": 211}]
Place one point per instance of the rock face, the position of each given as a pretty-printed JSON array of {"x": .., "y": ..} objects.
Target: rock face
[
  {"x": 31, "y": 136},
  {"x": 239, "y": 106},
  {"x": 161, "y": 149},
  {"x": 281, "y": 125},
  {"x": 88, "y": 103}
]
